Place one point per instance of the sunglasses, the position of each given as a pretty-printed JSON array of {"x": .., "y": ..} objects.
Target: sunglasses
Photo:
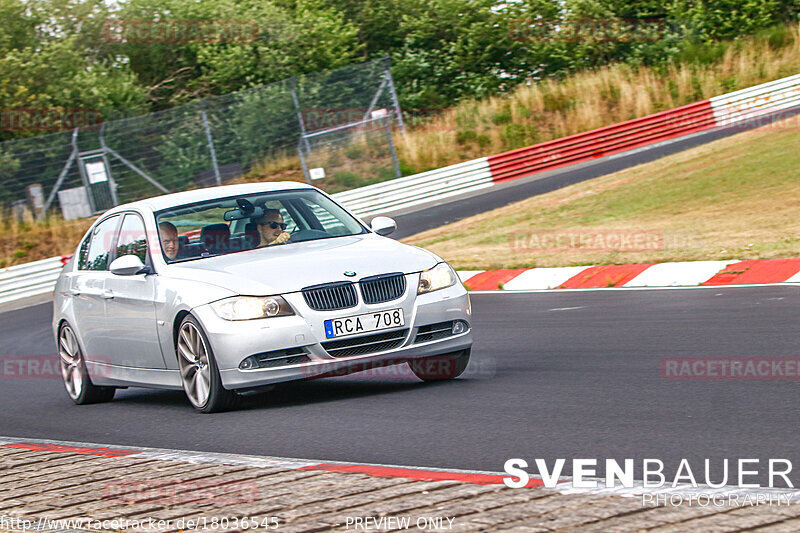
[{"x": 273, "y": 225}]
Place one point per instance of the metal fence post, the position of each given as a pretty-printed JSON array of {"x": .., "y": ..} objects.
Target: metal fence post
[
  {"x": 293, "y": 85},
  {"x": 395, "y": 161},
  {"x": 211, "y": 148},
  {"x": 393, "y": 92},
  {"x": 303, "y": 163},
  {"x": 62, "y": 175}
]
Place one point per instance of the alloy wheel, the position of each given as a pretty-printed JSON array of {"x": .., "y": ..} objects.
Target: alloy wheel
[
  {"x": 71, "y": 362},
  {"x": 194, "y": 364}
]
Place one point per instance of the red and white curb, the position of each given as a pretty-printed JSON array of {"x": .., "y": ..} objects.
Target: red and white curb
[
  {"x": 654, "y": 275},
  {"x": 564, "y": 484},
  {"x": 406, "y": 472}
]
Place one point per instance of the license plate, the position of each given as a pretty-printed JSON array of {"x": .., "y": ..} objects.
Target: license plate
[{"x": 353, "y": 325}]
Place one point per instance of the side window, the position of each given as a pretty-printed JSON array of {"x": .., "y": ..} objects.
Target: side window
[
  {"x": 101, "y": 243},
  {"x": 132, "y": 239},
  {"x": 329, "y": 222},
  {"x": 291, "y": 225},
  {"x": 83, "y": 252}
]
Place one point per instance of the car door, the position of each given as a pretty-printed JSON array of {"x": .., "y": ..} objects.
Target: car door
[
  {"x": 130, "y": 307},
  {"x": 87, "y": 289}
]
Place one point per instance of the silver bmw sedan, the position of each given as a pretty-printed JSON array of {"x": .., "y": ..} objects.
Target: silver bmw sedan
[{"x": 226, "y": 290}]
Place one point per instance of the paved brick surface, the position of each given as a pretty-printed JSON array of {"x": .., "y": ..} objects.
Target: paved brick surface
[{"x": 170, "y": 495}]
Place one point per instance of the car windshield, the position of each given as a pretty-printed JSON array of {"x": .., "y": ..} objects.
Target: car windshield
[{"x": 234, "y": 224}]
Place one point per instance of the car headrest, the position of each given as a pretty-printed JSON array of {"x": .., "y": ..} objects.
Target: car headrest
[
  {"x": 252, "y": 236},
  {"x": 215, "y": 237}
]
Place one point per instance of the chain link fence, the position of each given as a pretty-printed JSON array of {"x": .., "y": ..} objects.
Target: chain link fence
[{"x": 327, "y": 117}]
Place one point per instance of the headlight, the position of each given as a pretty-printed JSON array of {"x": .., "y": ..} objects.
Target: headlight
[
  {"x": 439, "y": 277},
  {"x": 250, "y": 307}
]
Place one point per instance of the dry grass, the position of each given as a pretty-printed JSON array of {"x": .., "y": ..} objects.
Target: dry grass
[
  {"x": 737, "y": 198},
  {"x": 26, "y": 240}
]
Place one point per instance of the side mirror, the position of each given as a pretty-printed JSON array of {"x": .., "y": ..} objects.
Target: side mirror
[
  {"x": 383, "y": 225},
  {"x": 126, "y": 265}
]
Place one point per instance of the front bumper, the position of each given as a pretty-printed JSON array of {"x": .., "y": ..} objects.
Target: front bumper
[{"x": 233, "y": 341}]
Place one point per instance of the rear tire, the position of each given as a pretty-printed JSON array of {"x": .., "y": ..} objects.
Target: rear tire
[
  {"x": 441, "y": 367},
  {"x": 79, "y": 385},
  {"x": 199, "y": 372}
]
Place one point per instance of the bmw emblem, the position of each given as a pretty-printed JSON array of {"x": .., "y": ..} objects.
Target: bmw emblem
[{"x": 349, "y": 273}]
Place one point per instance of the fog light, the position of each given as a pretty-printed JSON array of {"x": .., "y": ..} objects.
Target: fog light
[
  {"x": 459, "y": 326},
  {"x": 248, "y": 364}
]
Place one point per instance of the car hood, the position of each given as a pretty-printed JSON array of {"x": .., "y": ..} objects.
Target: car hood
[{"x": 290, "y": 267}]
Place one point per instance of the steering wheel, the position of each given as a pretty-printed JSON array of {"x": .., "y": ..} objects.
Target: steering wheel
[{"x": 307, "y": 235}]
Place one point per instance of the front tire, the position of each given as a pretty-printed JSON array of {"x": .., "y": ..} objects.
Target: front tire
[
  {"x": 199, "y": 371},
  {"x": 79, "y": 385},
  {"x": 441, "y": 367}
]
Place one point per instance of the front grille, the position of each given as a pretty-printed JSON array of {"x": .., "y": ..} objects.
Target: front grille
[
  {"x": 434, "y": 332},
  {"x": 331, "y": 296},
  {"x": 377, "y": 342},
  {"x": 378, "y": 289}
]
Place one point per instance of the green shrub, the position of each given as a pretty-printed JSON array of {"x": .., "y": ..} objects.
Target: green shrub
[
  {"x": 354, "y": 152},
  {"x": 518, "y": 135},
  {"x": 466, "y": 137},
  {"x": 503, "y": 117},
  {"x": 348, "y": 179}
]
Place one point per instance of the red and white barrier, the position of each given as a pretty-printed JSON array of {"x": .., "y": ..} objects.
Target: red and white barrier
[
  {"x": 602, "y": 142},
  {"x": 680, "y": 274}
]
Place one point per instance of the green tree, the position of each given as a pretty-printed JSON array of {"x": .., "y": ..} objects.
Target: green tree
[
  {"x": 711, "y": 20},
  {"x": 18, "y": 29},
  {"x": 452, "y": 49},
  {"x": 306, "y": 37}
]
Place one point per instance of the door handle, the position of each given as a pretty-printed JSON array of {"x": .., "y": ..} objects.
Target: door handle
[{"x": 107, "y": 294}]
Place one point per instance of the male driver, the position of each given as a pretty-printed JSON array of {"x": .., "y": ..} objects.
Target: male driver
[
  {"x": 169, "y": 239},
  {"x": 272, "y": 228}
]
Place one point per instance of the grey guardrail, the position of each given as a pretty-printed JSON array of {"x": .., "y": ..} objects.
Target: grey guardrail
[
  {"x": 402, "y": 193},
  {"x": 31, "y": 279}
]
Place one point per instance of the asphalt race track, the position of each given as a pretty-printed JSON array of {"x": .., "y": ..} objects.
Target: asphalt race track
[{"x": 557, "y": 374}]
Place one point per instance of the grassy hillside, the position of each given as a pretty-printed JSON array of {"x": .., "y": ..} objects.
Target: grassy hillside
[
  {"x": 587, "y": 100},
  {"x": 736, "y": 198}
]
